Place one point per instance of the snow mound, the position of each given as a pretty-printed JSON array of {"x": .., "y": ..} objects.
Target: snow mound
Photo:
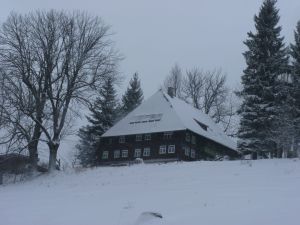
[
  {"x": 192, "y": 193},
  {"x": 148, "y": 218}
]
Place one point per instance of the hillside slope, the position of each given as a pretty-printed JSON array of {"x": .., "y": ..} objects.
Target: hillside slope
[{"x": 227, "y": 193}]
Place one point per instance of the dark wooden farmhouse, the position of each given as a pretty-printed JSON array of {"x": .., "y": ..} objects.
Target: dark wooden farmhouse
[{"x": 165, "y": 128}]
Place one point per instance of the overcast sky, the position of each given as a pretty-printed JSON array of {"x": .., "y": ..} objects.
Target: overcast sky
[{"x": 154, "y": 34}]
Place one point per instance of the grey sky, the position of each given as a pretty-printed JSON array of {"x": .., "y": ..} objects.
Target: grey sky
[{"x": 153, "y": 35}]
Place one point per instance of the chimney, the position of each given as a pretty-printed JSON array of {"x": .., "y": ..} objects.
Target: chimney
[{"x": 171, "y": 92}]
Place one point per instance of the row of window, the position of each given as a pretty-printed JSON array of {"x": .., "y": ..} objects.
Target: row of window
[
  {"x": 189, "y": 152},
  {"x": 190, "y": 138},
  {"x": 138, "y": 152},
  {"x": 139, "y": 137},
  {"x": 147, "y": 137},
  {"x": 163, "y": 149},
  {"x": 166, "y": 136}
]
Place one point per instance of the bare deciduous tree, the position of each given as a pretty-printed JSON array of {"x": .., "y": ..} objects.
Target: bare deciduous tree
[
  {"x": 60, "y": 60},
  {"x": 208, "y": 92},
  {"x": 193, "y": 87},
  {"x": 174, "y": 80},
  {"x": 215, "y": 91}
]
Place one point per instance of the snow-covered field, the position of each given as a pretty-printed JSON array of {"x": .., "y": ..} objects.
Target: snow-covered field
[{"x": 227, "y": 193}]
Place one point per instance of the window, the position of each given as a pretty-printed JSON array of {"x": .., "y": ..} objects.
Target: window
[
  {"x": 147, "y": 137},
  {"x": 188, "y": 137},
  {"x": 139, "y": 137},
  {"x": 124, "y": 153},
  {"x": 117, "y": 154},
  {"x": 168, "y": 135},
  {"x": 122, "y": 139},
  {"x": 105, "y": 155},
  {"x": 187, "y": 151},
  {"x": 162, "y": 149},
  {"x": 146, "y": 152},
  {"x": 171, "y": 149},
  {"x": 193, "y": 153},
  {"x": 109, "y": 140},
  {"x": 150, "y": 118},
  {"x": 193, "y": 139},
  {"x": 137, "y": 153}
]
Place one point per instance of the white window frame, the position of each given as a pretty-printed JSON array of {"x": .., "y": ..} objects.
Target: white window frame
[
  {"x": 187, "y": 151},
  {"x": 124, "y": 153},
  {"x": 162, "y": 149},
  {"x": 168, "y": 135},
  {"x": 146, "y": 152},
  {"x": 171, "y": 149},
  {"x": 105, "y": 154},
  {"x": 137, "y": 153},
  {"x": 193, "y": 153},
  {"x": 147, "y": 137},
  {"x": 139, "y": 137},
  {"x": 116, "y": 154},
  {"x": 122, "y": 139}
]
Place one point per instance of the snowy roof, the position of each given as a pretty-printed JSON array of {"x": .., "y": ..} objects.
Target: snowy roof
[{"x": 161, "y": 113}]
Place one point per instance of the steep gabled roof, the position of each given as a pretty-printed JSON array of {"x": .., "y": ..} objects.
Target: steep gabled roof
[{"x": 161, "y": 113}]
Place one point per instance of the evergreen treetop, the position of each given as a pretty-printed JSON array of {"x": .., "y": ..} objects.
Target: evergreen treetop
[
  {"x": 103, "y": 116},
  {"x": 103, "y": 111},
  {"x": 267, "y": 61},
  {"x": 133, "y": 96}
]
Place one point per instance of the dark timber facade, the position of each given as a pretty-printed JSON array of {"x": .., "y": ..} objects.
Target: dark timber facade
[{"x": 162, "y": 146}]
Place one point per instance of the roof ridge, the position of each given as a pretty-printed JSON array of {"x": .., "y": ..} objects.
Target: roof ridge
[{"x": 173, "y": 108}]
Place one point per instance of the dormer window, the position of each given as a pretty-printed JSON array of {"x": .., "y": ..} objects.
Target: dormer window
[
  {"x": 122, "y": 139},
  {"x": 202, "y": 125}
]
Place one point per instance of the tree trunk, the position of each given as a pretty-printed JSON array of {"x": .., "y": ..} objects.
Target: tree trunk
[
  {"x": 33, "y": 146},
  {"x": 33, "y": 154},
  {"x": 52, "y": 156},
  {"x": 1, "y": 177}
]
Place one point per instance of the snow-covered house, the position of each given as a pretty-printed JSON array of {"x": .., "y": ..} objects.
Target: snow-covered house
[{"x": 165, "y": 128}]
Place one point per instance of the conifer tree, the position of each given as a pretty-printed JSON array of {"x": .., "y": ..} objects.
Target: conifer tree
[
  {"x": 295, "y": 53},
  {"x": 267, "y": 61},
  {"x": 103, "y": 115},
  {"x": 133, "y": 96}
]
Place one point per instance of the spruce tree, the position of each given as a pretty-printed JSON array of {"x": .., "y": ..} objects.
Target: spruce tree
[
  {"x": 103, "y": 115},
  {"x": 133, "y": 96},
  {"x": 295, "y": 53},
  {"x": 86, "y": 153},
  {"x": 267, "y": 61}
]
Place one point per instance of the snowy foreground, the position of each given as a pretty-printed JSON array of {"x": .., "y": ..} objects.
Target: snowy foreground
[{"x": 220, "y": 193}]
